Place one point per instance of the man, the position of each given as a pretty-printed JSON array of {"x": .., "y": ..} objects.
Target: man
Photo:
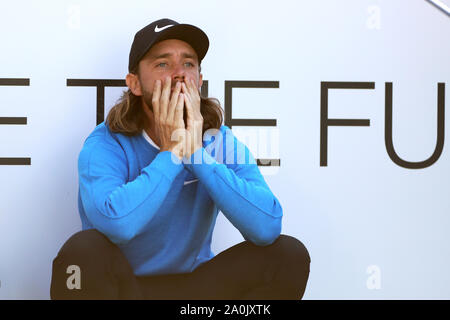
[{"x": 152, "y": 179}]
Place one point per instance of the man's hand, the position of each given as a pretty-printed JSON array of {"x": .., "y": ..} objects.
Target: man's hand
[
  {"x": 168, "y": 113},
  {"x": 194, "y": 118}
]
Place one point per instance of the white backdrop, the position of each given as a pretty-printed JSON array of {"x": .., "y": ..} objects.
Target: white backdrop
[{"x": 374, "y": 230}]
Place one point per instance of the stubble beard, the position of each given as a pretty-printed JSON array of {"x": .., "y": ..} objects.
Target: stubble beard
[{"x": 147, "y": 97}]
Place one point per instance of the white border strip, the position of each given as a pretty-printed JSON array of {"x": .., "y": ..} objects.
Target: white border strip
[{"x": 440, "y": 5}]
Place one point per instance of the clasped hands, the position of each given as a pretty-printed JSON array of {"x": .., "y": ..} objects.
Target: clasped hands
[{"x": 168, "y": 107}]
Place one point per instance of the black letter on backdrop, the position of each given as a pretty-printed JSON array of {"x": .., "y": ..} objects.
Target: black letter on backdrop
[
  {"x": 100, "y": 84},
  {"x": 325, "y": 122},
  {"x": 229, "y": 121},
  {"x": 14, "y": 120},
  {"x": 440, "y": 130}
]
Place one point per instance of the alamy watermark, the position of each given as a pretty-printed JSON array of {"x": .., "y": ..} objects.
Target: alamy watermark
[
  {"x": 373, "y": 282},
  {"x": 221, "y": 146},
  {"x": 73, "y": 17},
  {"x": 74, "y": 280},
  {"x": 374, "y": 20}
]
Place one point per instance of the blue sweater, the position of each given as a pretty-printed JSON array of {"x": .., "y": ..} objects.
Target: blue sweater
[{"x": 161, "y": 211}]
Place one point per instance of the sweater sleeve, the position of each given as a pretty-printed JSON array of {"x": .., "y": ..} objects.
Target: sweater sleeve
[
  {"x": 239, "y": 191},
  {"x": 117, "y": 207}
]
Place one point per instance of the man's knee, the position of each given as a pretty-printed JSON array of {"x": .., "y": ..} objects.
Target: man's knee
[
  {"x": 293, "y": 261},
  {"x": 293, "y": 248},
  {"x": 87, "y": 243},
  {"x": 84, "y": 257},
  {"x": 87, "y": 249}
]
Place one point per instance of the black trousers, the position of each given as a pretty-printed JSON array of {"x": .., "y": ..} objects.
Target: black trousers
[{"x": 243, "y": 271}]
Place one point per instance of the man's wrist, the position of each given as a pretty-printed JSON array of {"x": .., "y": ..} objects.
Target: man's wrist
[
  {"x": 177, "y": 151},
  {"x": 195, "y": 157},
  {"x": 188, "y": 155}
]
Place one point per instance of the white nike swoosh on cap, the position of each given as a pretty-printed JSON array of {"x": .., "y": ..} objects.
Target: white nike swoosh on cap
[
  {"x": 190, "y": 181},
  {"x": 162, "y": 28}
]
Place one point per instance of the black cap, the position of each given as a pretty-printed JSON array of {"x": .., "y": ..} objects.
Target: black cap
[{"x": 164, "y": 29}]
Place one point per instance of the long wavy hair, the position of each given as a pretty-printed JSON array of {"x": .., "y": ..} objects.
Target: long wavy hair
[{"x": 128, "y": 117}]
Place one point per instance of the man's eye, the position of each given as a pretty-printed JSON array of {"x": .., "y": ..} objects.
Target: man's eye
[
  {"x": 189, "y": 64},
  {"x": 162, "y": 64}
]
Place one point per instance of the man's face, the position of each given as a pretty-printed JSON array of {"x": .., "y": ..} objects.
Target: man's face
[{"x": 173, "y": 58}]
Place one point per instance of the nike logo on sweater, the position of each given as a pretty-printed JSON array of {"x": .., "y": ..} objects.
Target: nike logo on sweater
[{"x": 190, "y": 181}]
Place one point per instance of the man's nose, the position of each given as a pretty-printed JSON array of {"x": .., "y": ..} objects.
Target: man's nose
[{"x": 178, "y": 74}]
